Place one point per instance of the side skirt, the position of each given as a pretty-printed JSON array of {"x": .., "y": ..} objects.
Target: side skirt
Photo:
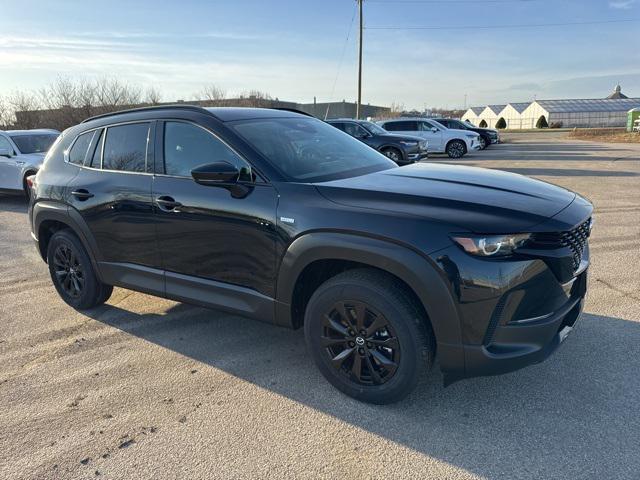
[{"x": 188, "y": 289}]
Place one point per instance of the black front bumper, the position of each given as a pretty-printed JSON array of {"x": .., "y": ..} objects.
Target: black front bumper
[{"x": 517, "y": 344}]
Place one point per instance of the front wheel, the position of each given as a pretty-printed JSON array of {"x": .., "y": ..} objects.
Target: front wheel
[
  {"x": 367, "y": 336},
  {"x": 393, "y": 154},
  {"x": 72, "y": 272},
  {"x": 456, "y": 149},
  {"x": 483, "y": 143}
]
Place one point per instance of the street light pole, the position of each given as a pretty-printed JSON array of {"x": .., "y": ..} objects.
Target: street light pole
[{"x": 359, "y": 62}]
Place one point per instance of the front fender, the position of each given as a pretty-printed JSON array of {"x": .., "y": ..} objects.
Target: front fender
[{"x": 415, "y": 269}]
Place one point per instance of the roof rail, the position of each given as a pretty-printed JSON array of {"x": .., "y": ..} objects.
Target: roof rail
[
  {"x": 149, "y": 108},
  {"x": 293, "y": 110}
]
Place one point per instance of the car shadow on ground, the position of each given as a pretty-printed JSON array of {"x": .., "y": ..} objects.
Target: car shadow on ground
[{"x": 575, "y": 415}]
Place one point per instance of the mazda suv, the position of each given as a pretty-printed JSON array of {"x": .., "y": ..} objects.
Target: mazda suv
[{"x": 281, "y": 217}]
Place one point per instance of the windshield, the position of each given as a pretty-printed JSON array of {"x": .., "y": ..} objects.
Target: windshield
[
  {"x": 308, "y": 150},
  {"x": 37, "y": 143},
  {"x": 374, "y": 129}
]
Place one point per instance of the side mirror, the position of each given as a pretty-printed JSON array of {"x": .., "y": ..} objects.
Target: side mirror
[
  {"x": 6, "y": 152},
  {"x": 434, "y": 129},
  {"x": 218, "y": 173}
]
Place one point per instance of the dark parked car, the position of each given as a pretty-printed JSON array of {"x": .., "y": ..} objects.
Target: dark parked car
[
  {"x": 488, "y": 136},
  {"x": 402, "y": 149},
  {"x": 281, "y": 217}
]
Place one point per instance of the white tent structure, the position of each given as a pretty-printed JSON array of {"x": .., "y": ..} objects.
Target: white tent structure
[
  {"x": 607, "y": 112},
  {"x": 472, "y": 114},
  {"x": 511, "y": 115},
  {"x": 489, "y": 116}
]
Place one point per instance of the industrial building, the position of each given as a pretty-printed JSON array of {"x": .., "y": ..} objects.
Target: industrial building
[{"x": 593, "y": 112}]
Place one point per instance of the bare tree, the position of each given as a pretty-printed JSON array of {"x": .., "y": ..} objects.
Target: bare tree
[
  {"x": 153, "y": 96},
  {"x": 5, "y": 114},
  {"x": 255, "y": 98},
  {"x": 396, "y": 110},
  {"x": 112, "y": 93},
  {"x": 24, "y": 106},
  {"x": 212, "y": 94}
]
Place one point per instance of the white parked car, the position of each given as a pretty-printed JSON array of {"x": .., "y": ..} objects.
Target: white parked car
[
  {"x": 21, "y": 154},
  {"x": 453, "y": 142}
]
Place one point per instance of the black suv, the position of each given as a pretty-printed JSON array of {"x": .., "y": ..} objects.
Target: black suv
[
  {"x": 283, "y": 218},
  {"x": 487, "y": 135},
  {"x": 402, "y": 149}
]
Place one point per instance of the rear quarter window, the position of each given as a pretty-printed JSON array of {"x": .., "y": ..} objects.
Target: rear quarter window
[{"x": 80, "y": 147}]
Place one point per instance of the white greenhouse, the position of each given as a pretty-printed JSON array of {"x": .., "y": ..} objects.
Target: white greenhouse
[{"x": 570, "y": 113}]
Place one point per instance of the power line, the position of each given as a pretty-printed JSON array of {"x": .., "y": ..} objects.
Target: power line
[
  {"x": 344, "y": 49},
  {"x": 522, "y": 25}
]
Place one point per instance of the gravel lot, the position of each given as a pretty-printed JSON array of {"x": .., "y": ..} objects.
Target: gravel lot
[{"x": 148, "y": 388}]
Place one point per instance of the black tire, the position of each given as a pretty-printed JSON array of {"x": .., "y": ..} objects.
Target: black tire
[
  {"x": 456, "y": 149},
  {"x": 72, "y": 272},
  {"x": 484, "y": 142},
  {"x": 393, "y": 154},
  {"x": 403, "y": 337}
]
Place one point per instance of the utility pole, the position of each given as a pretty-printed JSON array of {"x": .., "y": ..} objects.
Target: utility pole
[{"x": 359, "y": 61}]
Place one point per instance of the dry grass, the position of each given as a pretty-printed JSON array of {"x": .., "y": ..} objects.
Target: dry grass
[{"x": 608, "y": 135}]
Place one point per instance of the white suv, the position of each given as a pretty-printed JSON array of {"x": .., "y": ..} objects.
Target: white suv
[
  {"x": 451, "y": 141},
  {"x": 21, "y": 154}
]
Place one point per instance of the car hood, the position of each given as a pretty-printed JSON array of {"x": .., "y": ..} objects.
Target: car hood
[
  {"x": 31, "y": 158},
  {"x": 473, "y": 199},
  {"x": 458, "y": 131}
]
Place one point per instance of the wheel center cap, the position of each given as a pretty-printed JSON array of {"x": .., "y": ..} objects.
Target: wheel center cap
[{"x": 359, "y": 341}]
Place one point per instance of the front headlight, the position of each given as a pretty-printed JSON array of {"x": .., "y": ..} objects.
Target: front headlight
[
  {"x": 408, "y": 143},
  {"x": 491, "y": 246},
  {"x": 472, "y": 135}
]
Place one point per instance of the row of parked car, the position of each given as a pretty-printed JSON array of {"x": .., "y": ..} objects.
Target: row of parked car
[
  {"x": 403, "y": 140},
  {"x": 408, "y": 140}
]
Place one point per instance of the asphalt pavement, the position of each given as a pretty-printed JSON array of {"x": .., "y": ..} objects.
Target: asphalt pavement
[{"x": 148, "y": 388}]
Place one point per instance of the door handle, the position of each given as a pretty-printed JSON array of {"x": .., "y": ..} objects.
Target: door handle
[
  {"x": 82, "y": 194},
  {"x": 167, "y": 203}
]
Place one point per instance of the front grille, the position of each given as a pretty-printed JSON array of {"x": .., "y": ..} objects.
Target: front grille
[{"x": 575, "y": 240}]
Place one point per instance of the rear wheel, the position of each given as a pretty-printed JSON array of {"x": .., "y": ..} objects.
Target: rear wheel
[
  {"x": 367, "y": 336},
  {"x": 73, "y": 274},
  {"x": 456, "y": 149},
  {"x": 393, "y": 154}
]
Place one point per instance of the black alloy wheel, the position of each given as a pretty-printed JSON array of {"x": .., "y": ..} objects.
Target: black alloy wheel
[
  {"x": 360, "y": 343},
  {"x": 68, "y": 271},
  {"x": 72, "y": 272},
  {"x": 368, "y": 336}
]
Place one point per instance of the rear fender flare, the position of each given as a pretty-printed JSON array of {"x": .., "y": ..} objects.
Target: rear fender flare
[{"x": 54, "y": 211}]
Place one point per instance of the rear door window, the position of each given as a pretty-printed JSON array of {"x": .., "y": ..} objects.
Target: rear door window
[
  {"x": 125, "y": 147},
  {"x": 80, "y": 147},
  {"x": 338, "y": 125},
  {"x": 96, "y": 156}
]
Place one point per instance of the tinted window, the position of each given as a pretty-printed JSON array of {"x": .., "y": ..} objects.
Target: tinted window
[
  {"x": 4, "y": 143},
  {"x": 355, "y": 130},
  {"x": 34, "y": 143},
  {"x": 187, "y": 146},
  {"x": 79, "y": 149},
  {"x": 338, "y": 125},
  {"x": 125, "y": 147},
  {"x": 401, "y": 126},
  {"x": 97, "y": 151},
  {"x": 426, "y": 126},
  {"x": 306, "y": 149}
]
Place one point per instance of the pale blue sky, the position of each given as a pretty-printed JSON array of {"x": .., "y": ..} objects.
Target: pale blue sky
[{"x": 292, "y": 48}]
